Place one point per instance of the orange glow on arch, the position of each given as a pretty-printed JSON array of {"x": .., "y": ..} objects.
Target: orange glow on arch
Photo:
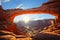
[{"x": 12, "y": 16}]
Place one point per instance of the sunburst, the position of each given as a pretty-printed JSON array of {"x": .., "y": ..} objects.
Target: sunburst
[{"x": 26, "y": 19}]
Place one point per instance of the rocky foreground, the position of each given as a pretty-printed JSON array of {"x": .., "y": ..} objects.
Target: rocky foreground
[
  {"x": 49, "y": 33},
  {"x": 45, "y": 36}
]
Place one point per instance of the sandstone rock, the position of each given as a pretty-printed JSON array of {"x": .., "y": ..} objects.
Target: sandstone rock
[
  {"x": 5, "y": 35},
  {"x": 57, "y": 31},
  {"x": 45, "y": 36}
]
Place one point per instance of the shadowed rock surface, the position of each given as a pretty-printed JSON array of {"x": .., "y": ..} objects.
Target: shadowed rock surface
[
  {"x": 5, "y": 35},
  {"x": 44, "y": 36}
]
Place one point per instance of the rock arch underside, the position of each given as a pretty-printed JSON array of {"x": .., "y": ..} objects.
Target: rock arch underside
[{"x": 50, "y": 7}]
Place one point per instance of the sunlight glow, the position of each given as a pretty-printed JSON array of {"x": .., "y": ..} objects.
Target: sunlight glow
[
  {"x": 39, "y": 18},
  {"x": 32, "y": 17},
  {"x": 26, "y": 19}
]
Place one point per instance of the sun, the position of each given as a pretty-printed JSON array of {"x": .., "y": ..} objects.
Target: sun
[{"x": 26, "y": 19}]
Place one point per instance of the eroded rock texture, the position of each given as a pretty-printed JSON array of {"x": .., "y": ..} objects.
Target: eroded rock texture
[
  {"x": 44, "y": 36},
  {"x": 5, "y": 23},
  {"x": 53, "y": 6},
  {"x": 51, "y": 32},
  {"x": 5, "y": 35}
]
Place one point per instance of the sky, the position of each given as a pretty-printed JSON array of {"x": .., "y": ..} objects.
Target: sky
[
  {"x": 30, "y": 17},
  {"x": 23, "y": 4}
]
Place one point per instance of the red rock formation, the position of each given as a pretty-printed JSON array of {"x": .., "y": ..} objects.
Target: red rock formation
[
  {"x": 54, "y": 7},
  {"x": 6, "y": 24},
  {"x": 51, "y": 7},
  {"x": 3, "y": 15},
  {"x": 7, "y": 16}
]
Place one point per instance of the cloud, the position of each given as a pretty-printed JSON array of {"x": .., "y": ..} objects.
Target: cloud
[
  {"x": 0, "y": 2},
  {"x": 3, "y": 1},
  {"x": 6, "y": 0},
  {"x": 20, "y": 5}
]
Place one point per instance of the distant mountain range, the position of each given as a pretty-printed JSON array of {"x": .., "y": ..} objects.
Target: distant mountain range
[{"x": 34, "y": 25}]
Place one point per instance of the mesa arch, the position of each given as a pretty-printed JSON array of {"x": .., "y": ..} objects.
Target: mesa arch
[
  {"x": 13, "y": 15},
  {"x": 50, "y": 7}
]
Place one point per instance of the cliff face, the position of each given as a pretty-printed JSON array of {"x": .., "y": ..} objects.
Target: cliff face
[
  {"x": 53, "y": 6},
  {"x": 5, "y": 24}
]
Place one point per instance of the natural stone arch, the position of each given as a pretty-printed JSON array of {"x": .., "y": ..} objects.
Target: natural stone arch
[
  {"x": 51, "y": 7},
  {"x": 13, "y": 15}
]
